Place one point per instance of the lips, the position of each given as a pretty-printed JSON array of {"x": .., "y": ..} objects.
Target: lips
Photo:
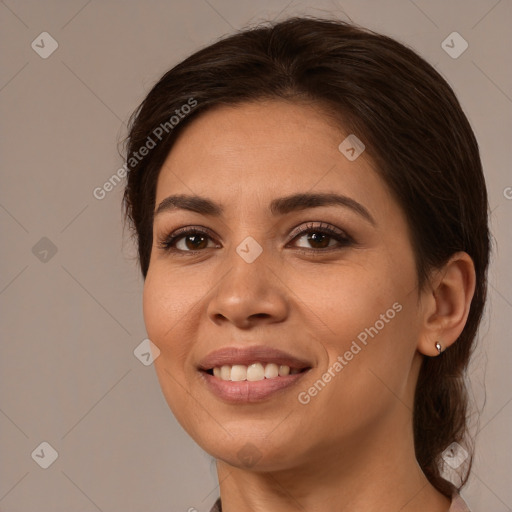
[
  {"x": 292, "y": 369},
  {"x": 249, "y": 355}
]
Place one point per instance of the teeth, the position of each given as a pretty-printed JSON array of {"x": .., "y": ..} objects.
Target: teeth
[
  {"x": 271, "y": 371},
  {"x": 253, "y": 372},
  {"x": 238, "y": 372},
  {"x": 225, "y": 372},
  {"x": 284, "y": 370}
]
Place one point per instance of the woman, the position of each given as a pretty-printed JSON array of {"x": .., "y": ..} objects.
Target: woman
[{"x": 311, "y": 218}]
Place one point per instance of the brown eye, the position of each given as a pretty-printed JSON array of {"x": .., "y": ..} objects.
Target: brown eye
[
  {"x": 186, "y": 240},
  {"x": 318, "y": 240},
  {"x": 322, "y": 237},
  {"x": 193, "y": 242}
]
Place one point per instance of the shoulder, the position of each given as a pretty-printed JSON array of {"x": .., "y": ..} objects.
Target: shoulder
[
  {"x": 458, "y": 504},
  {"x": 217, "y": 507}
]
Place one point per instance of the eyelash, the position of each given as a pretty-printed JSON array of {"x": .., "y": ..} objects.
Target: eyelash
[{"x": 167, "y": 242}]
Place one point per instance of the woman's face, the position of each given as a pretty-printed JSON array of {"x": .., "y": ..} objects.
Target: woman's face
[{"x": 263, "y": 274}]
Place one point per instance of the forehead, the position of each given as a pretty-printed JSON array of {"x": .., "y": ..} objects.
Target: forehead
[{"x": 263, "y": 149}]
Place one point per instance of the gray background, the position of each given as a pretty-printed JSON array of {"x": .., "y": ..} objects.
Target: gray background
[{"x": 71, "y": 319}]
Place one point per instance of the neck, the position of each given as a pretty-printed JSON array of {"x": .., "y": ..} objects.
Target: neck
[{"x": 374, "y": 472}]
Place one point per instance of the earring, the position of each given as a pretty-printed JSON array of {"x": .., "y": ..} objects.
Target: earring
[{"x": 439, "y": 347}]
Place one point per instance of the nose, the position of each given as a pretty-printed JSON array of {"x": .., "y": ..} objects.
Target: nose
[{"x": 248, "y": 294}]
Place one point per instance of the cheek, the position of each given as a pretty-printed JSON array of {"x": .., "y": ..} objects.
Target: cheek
[
  {"x": 166, "y": 307},
  {"x": 367, "y": 316},
  {"x": 342, "y": 300}
]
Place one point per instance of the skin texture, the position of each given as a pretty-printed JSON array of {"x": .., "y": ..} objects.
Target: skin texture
[{"x": 351, "y": 447}]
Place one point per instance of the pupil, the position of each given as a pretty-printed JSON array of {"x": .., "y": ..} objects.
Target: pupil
[
  {"x": 195, "y": 239},
  {"x": 318, "y": 238}
]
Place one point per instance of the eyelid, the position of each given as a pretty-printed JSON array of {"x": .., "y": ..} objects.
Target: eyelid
[
  {"x": 321, "y": 226},
  {"x": 164, "y": 241}
]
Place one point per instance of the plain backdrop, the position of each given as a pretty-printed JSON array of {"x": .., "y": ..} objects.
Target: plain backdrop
[{"x": 73, "y": 392}]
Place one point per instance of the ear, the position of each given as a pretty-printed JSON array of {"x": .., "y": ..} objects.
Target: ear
[{"x": 446, "y": 303}]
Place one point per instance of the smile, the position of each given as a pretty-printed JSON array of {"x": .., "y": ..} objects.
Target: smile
[
  {"x": 244, "y": 390},
  {"x": 253, "y": 372}
]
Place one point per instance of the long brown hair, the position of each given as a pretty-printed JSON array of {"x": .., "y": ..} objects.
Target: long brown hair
[{"x": 414, "y": 130}]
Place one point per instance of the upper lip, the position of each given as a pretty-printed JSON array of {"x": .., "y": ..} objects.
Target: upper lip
[{"x": 249, "y": 355}]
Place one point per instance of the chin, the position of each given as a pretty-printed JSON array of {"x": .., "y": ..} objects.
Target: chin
[{"x": 254, "y": 455}]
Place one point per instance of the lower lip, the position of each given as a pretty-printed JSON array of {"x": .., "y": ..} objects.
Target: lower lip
[{"x": 249, "y": 391}]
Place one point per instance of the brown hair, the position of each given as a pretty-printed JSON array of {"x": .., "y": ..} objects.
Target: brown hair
[{"x": 414, "y": 130}]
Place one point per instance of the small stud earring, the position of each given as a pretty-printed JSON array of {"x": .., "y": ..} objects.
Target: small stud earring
[{"x": 439, "y": 347}]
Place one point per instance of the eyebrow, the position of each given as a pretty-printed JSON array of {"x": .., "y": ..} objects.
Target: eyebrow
[{"x": 279, "y": 206}]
